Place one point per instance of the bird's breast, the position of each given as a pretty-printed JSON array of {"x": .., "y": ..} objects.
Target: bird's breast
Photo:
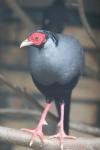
[
  {"x": 56, "y": 64},
  {"x": 44, "y": 66}
]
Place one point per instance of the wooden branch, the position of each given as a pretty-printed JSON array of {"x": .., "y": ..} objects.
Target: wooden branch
[
  {"x": 16, "y": 88},
  {"x": 18, "y": 137},
  {"x": 80, "y": 127},
  {"x": 23, "y": 112},
  {"x": 22, "y": 91},
  {"x": 20, "y": 13},
  {"x": 86, "y": 25}
]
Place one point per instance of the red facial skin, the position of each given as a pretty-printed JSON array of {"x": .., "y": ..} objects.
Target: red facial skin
[{"x": 37, "y": 38}]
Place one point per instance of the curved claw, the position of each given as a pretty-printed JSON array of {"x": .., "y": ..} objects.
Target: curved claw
[{"x": 27, "y": 130}]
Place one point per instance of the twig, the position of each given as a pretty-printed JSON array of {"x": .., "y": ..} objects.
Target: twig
[
  {"x": 30, "y": 97},
  {"x": 18, "y": 137},
  {"x": 21, "y": 14},
  {"x": 85, "y": 23},
  {"x": 17, "y": 89},
  {"x": 10, "y": 111},
  {"x": 85, "y": 129}
]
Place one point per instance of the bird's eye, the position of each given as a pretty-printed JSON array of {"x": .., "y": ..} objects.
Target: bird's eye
[{"x": 37, "y": 38}]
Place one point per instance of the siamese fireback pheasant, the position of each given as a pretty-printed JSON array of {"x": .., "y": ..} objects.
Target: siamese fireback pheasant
[{"x": 56, "y": 62}]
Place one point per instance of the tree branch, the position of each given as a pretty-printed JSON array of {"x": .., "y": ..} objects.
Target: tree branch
[
  {"x": 20, "y": 13},
  {"x": 9, "y": 111},
  {"x": 85, "y": 129},
  {"x": 17, "y": 89},
  {"x": 30, "y": 97},
  {"x": 86, "y": 25},
  {"x": 18, "y": 137}
]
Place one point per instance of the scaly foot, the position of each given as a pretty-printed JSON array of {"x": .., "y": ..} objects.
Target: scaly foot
[
  {"x": 38, "y": 131},
  {"x": 35, "y": 132},
  {"x": 61, "y": 136}
]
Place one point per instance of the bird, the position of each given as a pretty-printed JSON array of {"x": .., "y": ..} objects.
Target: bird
[{"x": 56, "y": 62}]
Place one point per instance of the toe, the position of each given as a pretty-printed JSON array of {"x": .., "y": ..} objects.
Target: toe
[
  {"x": 27, "y": 130},
  {"x": 36, "y": 132},
  {"x": 32, "y": 140}
]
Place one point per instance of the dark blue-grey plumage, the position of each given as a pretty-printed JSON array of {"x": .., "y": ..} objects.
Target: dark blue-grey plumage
[
  {"x": 56, "y": 67},
  {"x": 56, "y": 63}
]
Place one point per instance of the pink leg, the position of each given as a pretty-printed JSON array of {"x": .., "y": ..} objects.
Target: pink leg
[
  {"x": 38, "y": 130},
  {"x": 61, "y": 134}
]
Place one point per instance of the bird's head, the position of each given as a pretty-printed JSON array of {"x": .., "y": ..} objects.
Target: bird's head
[{"x": 39, "y": 38}]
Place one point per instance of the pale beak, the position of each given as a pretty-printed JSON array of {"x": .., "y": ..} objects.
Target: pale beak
[{"x": 25, "y": 43}]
